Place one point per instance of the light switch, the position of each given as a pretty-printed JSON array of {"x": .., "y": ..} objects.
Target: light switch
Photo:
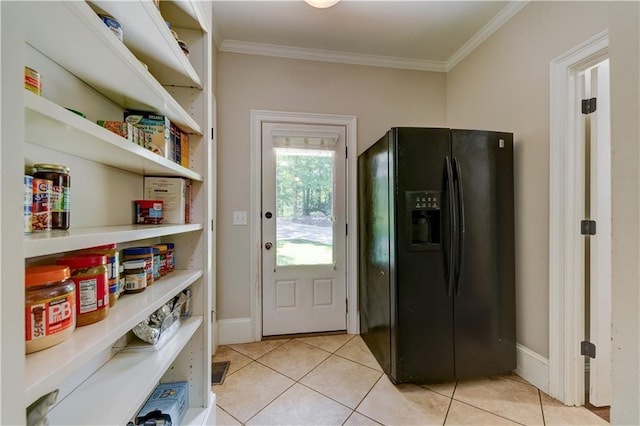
[{"x": 239, "y": 218}]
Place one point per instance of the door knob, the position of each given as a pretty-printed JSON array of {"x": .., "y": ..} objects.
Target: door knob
[{"x": 268, "y": 245}]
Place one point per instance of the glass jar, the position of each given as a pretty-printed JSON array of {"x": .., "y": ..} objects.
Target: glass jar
[
  {"x": 113, "y": 269},
  {"x": 135, "y": 277},
  {"x": 50, "y": 298},
  {"x": 60, "y": 192},
  {"x": 89, "y": 273},
  {"x": 146, "y": 253}
]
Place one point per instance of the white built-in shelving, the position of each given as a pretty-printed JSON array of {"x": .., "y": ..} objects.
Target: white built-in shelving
[{"x": 86, "y": 65}]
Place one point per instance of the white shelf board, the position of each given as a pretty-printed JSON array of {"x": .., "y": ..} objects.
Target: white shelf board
[
  {"x": 45, "y": 243},
  {"x": 186, "y": 14},
  {"x": 54, "y": 127},
  {"x": 114, "y": 393},
  {"x": 46, "y": 368},
  {"x": 149, "y": 38},
  {"x": 71, "y": 34}
]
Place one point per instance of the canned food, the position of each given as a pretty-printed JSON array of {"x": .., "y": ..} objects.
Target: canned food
[
  {"x": 41, "y": 209},
  {"x": 32, "y": 80},
  {"x": 60, "y": 192},
  {"x": 113, "y": 25},
  {"x": 28, "y": 203},
  {"x": 50, "y": 300}
]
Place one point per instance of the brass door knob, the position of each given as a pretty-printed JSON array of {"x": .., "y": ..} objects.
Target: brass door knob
[{"x": 268, "y": 245}]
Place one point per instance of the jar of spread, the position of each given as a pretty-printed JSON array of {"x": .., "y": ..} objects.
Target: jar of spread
[
  {"x": 162, "y": 265},
  {"x": 60, "y": 192},
  {"x": 28, "y": 204},
  {"x": 156, "y": 263},
  {"x": 50, "y": 298},
  {"x": 113, "y": 269},
  {"x": 135, "y": 277},
  {"x": 145, "y": 253},
  {"x": 41, "y": 208},
  {"x": 89, "y": 273},
  {"x": 170, "y": 258}
]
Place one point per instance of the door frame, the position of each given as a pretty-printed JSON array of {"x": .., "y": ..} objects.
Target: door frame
[
  {"x": 566, "y": 267},
  {"x": 350, "y": 124}
]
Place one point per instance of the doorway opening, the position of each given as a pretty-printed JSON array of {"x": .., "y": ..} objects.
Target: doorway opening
[
  {"x": 579, "y": 205},
  {"x": 284, "y": 132}
]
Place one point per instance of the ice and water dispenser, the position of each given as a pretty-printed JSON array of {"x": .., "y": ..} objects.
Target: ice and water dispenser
[{"x": 424, "y": 207}]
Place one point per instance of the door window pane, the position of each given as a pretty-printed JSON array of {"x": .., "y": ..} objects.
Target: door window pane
[{"x": 304, "y": 206}]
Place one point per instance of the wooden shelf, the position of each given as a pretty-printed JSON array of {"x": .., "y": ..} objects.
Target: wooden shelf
[
  {"x": 151, "y": 41},
  {"x": 71, "y": 34},
  {"x": 46, "y": 368},
  {"x": 45, "y": 243},
  {"x": 124, "y": 382},
  {"x": 54, "y": 127}
]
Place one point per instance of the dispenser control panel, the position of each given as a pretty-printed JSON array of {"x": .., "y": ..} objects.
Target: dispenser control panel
[
  {"x": 424, "y": 229},
  {"x": 429, "y": 200}
]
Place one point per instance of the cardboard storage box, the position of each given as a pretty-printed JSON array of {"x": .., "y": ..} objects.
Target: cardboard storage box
[
  {"x": 173, "y": 193},
  {"x": 168, "y": 402},
  {"x": 158, "y": 126}
]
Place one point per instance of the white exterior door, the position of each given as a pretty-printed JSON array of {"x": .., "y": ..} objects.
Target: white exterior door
[{"x": 303, "y": 228}]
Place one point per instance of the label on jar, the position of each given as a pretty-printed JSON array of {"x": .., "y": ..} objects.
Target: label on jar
[
  {"x": 49, "y": 316},
  {"x": 136, "y": 281},
  {"x": 93, "y": 294},
  {"x": 41, "y": 219},
  {"x": 28, "y": 204},
  {"x": 59, "y": 199}
]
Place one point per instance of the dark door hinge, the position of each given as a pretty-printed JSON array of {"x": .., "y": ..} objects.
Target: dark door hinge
[
  {"x": 212, "y": 138},
  {"x": 588, "y": 227},
  {"x": 346, "y": 301},
  {"x": 346, "y": 229},
  {"x": 588, "y": 105},
  {"x": 346, "y": 152},
  {"x": 587, "y": 349}
]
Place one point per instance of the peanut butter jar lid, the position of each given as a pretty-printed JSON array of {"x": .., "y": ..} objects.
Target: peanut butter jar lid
[{"x": 39, "y": 275}]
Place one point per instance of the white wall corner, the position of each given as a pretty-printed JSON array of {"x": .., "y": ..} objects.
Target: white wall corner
[
  {"x": 234, "y": 330},
  {"x": 532, "y": 367}
]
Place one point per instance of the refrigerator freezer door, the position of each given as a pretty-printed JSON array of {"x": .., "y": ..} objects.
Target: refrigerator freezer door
[
  {"x": 484, "y": 300},
  {"x": 424, "y": 312}
]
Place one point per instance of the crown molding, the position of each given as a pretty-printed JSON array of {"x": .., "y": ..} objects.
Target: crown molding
[
  {"x": 236, "y": 46},
  {"x": 485, "y": 32}
]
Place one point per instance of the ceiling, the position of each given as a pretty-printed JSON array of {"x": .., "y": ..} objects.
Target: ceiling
[{"x": 418, "y": 34}]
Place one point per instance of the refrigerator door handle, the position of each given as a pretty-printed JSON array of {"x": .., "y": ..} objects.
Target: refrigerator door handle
[
  {"x": 461, "y": 226},
  {"x": 453, "y": 228}
]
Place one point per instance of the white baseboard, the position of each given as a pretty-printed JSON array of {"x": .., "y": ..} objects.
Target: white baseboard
[
  {"x": 532, "y": 367},
  {"x": 234, "y": 330}
]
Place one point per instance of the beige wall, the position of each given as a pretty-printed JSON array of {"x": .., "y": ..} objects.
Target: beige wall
[
  {"x": 624, "y": 53},
  {"x": 504, "y": 85},
  {"x": 379, "y": 97}
]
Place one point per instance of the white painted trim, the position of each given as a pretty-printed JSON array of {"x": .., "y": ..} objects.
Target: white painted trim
[
  {"x": 532, "y": 367},
  {"x": 279, "y": 51},
  {"x": 235, "y": 330},
  {"x": 350, "y": 123},
  {"x": 485, "y": 32},
  {"x": 566, "y": 368}
]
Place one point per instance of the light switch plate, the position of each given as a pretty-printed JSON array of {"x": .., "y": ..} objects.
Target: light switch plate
[{"x": 239, "y": 218}]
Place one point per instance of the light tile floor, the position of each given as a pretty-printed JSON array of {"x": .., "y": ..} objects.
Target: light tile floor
[{"x": 334, "y": 380}]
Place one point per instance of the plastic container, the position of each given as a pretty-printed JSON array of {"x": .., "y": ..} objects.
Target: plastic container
[
  {"x": 28, "y": 204},
  {"x": 89, "y": 273},
  {"x": 50, "y": 298},
  {"x": 113, "y": 24},
  {"x": 145, "y": 253},
  {"x": 156, "y": 263},
  {"x": 135, "y": 277},
  {"x": 60, "y": 192},
  {"x": 162, "y": 266},
  {"x": 113, "y": 269},
  {"x": 148, "y": 212},
  {"x": 171, "y": 259}
]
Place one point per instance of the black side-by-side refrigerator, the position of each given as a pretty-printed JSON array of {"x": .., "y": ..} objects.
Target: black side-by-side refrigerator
[{"x": 436, "y": 253}]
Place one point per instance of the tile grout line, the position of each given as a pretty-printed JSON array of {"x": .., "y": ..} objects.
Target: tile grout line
[
  {"x": 541, "y": 408},
  {"x": 450, "y": 402}
]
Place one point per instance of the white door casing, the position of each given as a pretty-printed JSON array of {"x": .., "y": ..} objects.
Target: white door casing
[
  {"x": 566, "y": 205},
  {"x": 303, "y": 264}
]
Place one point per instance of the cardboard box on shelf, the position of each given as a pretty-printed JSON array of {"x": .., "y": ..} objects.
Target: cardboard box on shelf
[
  {"x": 173, "y": 192},
  {"x": 168, "y": 402},
  {"x": 184, "y": 149},
  {"x": 158, "y": 126}
]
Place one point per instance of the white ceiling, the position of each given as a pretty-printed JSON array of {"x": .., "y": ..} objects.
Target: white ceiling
[{"x": 418, "y": 34}]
